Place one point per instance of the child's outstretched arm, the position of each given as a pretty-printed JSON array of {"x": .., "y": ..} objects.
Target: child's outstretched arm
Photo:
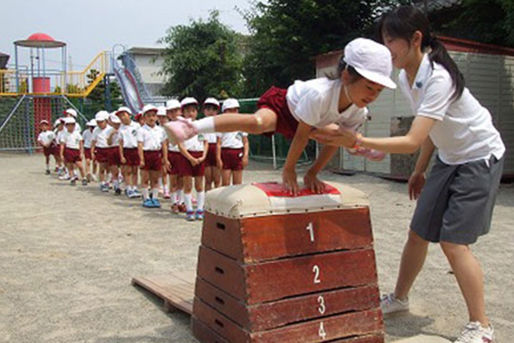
[{"x": 300, "y": 140}]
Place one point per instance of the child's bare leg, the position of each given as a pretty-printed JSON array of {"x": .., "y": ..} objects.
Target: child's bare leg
[
  {"x": 80, "y": 167},
  {"x": 216, "y": 176},
  {"x": 225, "y": 177},
  {"x": 208, "y": 178},
  {"x": 264, "y": 120},
  {"x": 237, "y": 177}
]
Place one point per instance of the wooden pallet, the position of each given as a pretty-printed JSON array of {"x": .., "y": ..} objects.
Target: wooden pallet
[{"x": 175, "y": 289}]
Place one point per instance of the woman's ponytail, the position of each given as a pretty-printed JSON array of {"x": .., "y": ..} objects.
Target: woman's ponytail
[{"x": 440, "y": 55}]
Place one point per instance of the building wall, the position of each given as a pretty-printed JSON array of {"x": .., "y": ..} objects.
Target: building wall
[{"x": 490, "y": 78}]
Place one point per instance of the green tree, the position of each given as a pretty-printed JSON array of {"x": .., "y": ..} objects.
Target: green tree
[
  {"x": 202, "y": 59},
  {"x": 287, "y": 34},
  {"x": 486, "y": 21}
]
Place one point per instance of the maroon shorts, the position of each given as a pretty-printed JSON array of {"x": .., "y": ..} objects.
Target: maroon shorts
[
  {"x": 187, "y": 169},
  {"x": 210, "y": 161},
  {"x": 275, "y": 100},
  {"x": 114, "y": 156},
  {"x": 56, "y": 149},
  {"x": 132, "y": 157},
  {"x": 175, "y": 158},
  {"x": 49, "y": 150},
  {"x": 71, "y": 155},
  {"x": 102, "y": 155},
  {"x": 232, "y": 158},
  {"x": 87, "y": 153},
  {"x": 153, "y": 160}
]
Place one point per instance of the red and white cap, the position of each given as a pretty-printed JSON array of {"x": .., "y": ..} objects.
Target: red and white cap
[
  {"x": 123, "y": 109},
  {"x": 172, "y": 104},
  {"x": 161, "y": 111},
  {"x": 58, "y": 122},
  {"x": 212, "y": 101},
  {"x": 71, "y": 112},
  {"x": 69, "y": 120},
  {"x": 370, "y": 59},
  {"x": 188, "y": 101},
  {"x": 148, "y": 108},
  {"x": 101, "y": 116},
  {"x": 114, "y": 118},
  {"x": 230, "y": 103}
]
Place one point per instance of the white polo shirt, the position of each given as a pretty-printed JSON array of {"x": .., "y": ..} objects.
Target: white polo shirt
[
  {"x": 211, "y": 137},
  {"x": 129, "y": 134},
  {"x": 195, "y": 143},
  {"x": 151, "y": 137},
  {"x": 233, "y": 140},
  {"x": 100, "y": 136},
  {"x": 59, "y": 135},
  {"x": 464, "y": 130},
  {"x": 316, "y": 103},
  {"x": 87, "y": 135},
  {"x": 46, "y": 137},
  {"x": 71, "y": 140}
]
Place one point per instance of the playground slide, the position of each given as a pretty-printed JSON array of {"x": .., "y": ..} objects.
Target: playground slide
[{"x": 129, "y": 88}]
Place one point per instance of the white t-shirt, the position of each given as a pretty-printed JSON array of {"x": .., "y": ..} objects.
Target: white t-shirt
[
  {"x": 77, "y": 127},
  {"x": 59, "y": 135},
  {"x": 151, "y": 137},
  {"x": 211, "y": 137},
  {"x": 46, "y": 137},
  {"x": 71, "y": 140},
  {"x": 464, "y": 130},
  {"x": 87, "y": 135},
  {"x": 195, "y": 143},
  {"x": 233, "y": 140},
  {"x": 100, "y": 136},
  {"x": 129, "y": 134},
  {"x": 316, "y": 103}
]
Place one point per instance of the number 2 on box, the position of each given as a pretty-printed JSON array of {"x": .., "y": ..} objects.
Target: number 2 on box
[{"x": 315, "y": 270}]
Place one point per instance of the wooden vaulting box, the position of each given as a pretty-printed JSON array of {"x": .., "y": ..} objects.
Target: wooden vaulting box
[{"x": 276, "y": 268}]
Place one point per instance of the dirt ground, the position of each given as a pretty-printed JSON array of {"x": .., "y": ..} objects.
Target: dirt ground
[{"x": 67, "y": 256}]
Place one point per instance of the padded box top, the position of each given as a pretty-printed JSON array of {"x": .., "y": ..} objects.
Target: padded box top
[{"x": 265, "y": 199}]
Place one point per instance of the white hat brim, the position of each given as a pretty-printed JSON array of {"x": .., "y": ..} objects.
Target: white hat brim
[{"x": 378, "y": 78}]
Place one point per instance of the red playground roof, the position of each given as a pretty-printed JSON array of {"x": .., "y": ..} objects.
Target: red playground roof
[{"x": 40, "y": 40}]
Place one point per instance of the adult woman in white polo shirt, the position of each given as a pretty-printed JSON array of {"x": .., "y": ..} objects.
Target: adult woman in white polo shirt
[{"x": 455, "y": 205}]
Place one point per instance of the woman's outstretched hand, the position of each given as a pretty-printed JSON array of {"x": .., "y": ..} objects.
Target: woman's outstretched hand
[{"x": 340, "y": 137}]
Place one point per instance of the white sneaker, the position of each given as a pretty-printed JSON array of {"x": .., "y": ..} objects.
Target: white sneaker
[
  {"x": 474, "y": 332},
  {"x": 390, "y": 304}
]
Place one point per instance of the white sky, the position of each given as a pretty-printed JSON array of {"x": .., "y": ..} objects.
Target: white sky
[{"x": 91, "y": 26}]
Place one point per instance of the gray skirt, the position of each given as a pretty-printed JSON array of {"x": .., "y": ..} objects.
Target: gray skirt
[{"x": 457, "y": 201}]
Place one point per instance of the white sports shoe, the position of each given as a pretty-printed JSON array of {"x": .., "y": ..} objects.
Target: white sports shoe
[
  {"x": 390, "y": 304},
  {"x": 474, "y": 332}
]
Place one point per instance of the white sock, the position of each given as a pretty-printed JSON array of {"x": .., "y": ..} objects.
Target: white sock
[
  {"x": 164, "y": 188},
  {"x": 47, "y": 166},
  {"x": 173, "y": 197},
  {"x": 180, "y": 196},
  {"x": 160, "y": 182},
  {"x": 189, "y": 202},
  {"x": 116, "y": 183},
  {"x": 155, "y": 193},
  {"x": 205, "y": 125},
  {"x": 200, "y": 200},
  {"x": 145, "y": 193}
]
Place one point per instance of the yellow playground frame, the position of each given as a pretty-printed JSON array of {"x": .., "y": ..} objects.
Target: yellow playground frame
[{"x": 70, "y": 83}]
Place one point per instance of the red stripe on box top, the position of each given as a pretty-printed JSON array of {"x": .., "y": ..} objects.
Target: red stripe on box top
[{"x": 275, "y": 189}]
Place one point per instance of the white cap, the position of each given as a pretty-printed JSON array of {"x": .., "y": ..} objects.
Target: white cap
[
  {"x": 230, "y": 103},
  {"x": 114, "y": 118},
  {"x": 92, "y": 122},
  {"x": 71, "y": 112},
  {"x": 172, "y": 104},
  {"x": 188, "y": 101},
  {"x": 44, "y": 121},
  {"x": 370, "y": 59},
  {"x": 211, "y": 101},
  {"x": 122, "y": 109},
  {"x": 69, "y": 120},
  {"x": 101, "y": 116},
  {"x": 161, "y": 111},
  {"x": 57, "y": 122},
  {"x": 148, "y": 108}
]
